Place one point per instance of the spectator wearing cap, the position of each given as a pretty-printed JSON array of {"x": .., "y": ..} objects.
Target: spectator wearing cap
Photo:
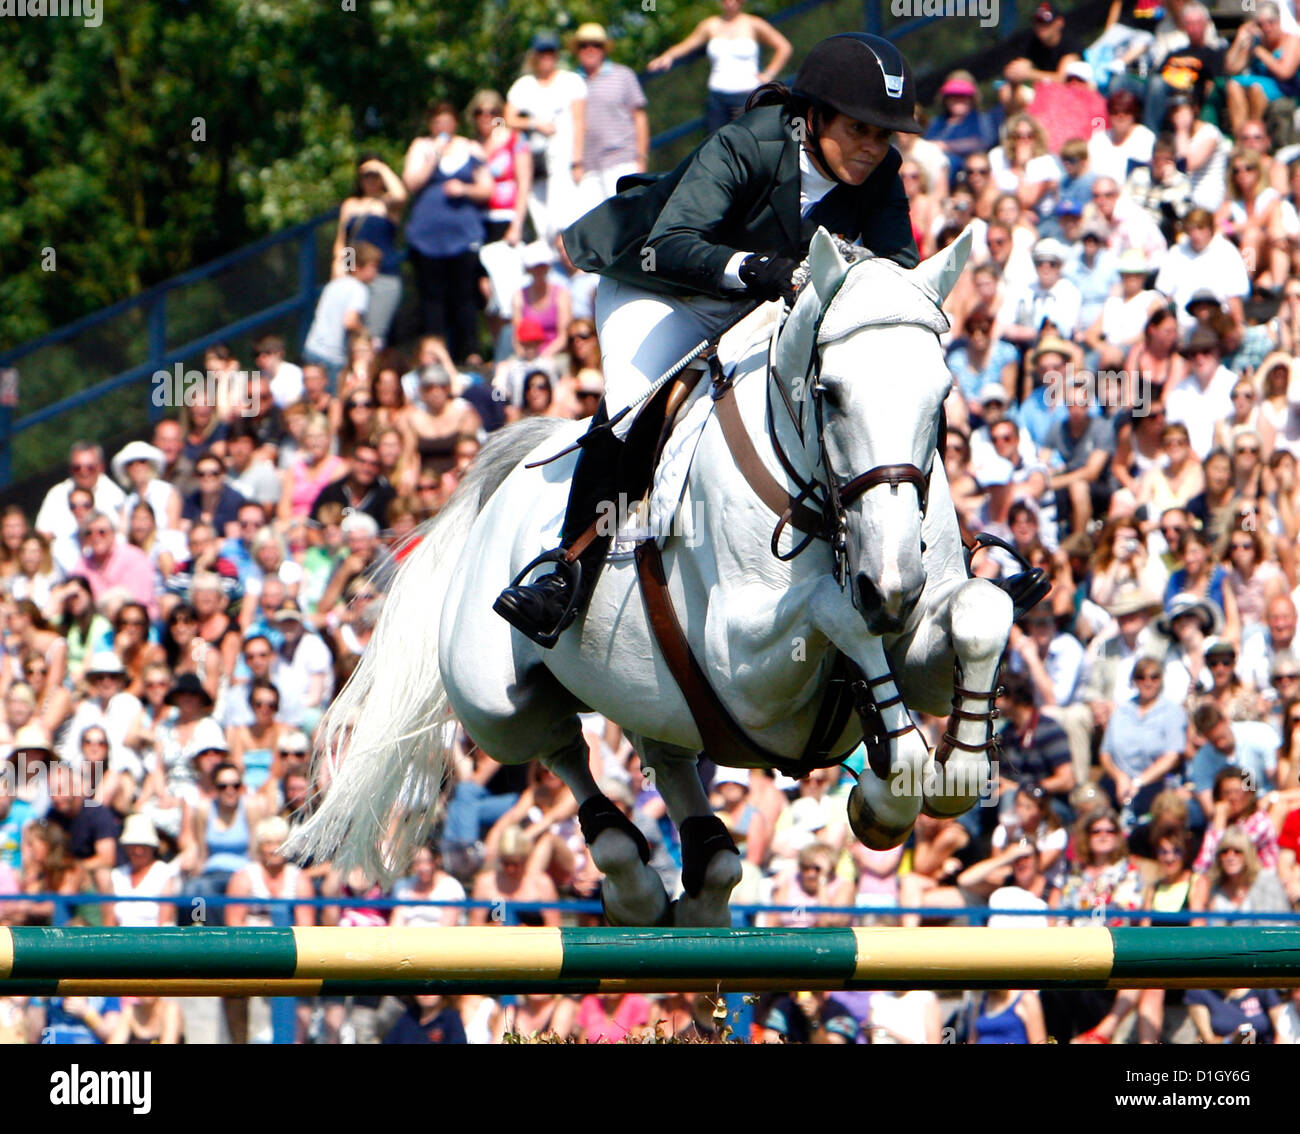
[
  {"x": 1130, "y": 227},
  {"x": 543, "y": 300},
  {"x": 1109, "y": 668},
  {"x": 509, "y": 380},
  {"x": 1051, "y": 48},
  {"x": 1064, "y": 224},
  {"x": 1204, "y": 398},
  {"x": 1161, "y": 188},
  {"x": 1262, "y": 652},
  {"x": 109, "y": 563},
  {"x": 180, "y": 736},
  {"x": 1094, "y": 269},
  {"x": 1050, "y": 299},
  {"x": 305, "y": 672},
  {"x": 1143, "y": 742},
  {"x": 611, "y": 129},
  {"x": 540, "y": 103},
  {"x": 1238, "y": 700},
  {"x": 107, "y": 704},
  {"x": 1189, "y": 622},
  {"x": 1122, "y": 318},
  {"x": 55, "y": 520},
  {"x": 1049, "y": 362},
  {"x": 1203, "y": 259},
  {"x": 961, "y": 127}
]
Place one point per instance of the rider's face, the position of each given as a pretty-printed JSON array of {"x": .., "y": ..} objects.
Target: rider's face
[{"x": 852, "y": 149}]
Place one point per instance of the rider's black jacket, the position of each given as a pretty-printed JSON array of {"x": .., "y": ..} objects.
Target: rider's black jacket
[{"x": 738, "y": 192}]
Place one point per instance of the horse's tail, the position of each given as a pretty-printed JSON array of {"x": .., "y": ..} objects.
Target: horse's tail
[{"x": 383, "y": 749}]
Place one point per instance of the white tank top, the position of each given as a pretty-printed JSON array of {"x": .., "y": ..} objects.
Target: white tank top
[
  {"x": 260, "y": 916},
  {"x": 734, "y": 64},
  {"x": 139, "y": 915}
]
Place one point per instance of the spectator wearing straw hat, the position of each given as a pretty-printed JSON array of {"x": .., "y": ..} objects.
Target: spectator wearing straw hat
[
  {"x": 138, "y": 468},
  {"x": 143, "y": 876},
  {"x": 107, "y": 704},
  {"x": 611, "y": 129}
]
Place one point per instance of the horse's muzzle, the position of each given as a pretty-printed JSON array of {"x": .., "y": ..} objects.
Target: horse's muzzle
[{"x": 885, "y": 616}]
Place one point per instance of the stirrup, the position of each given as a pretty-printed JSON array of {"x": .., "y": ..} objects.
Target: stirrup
[
  {"x": 988, "y": 539},
  {"x": 572, "y": 571}
]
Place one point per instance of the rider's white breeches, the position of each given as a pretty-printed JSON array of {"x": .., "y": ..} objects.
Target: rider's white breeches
[{"x": 642, "y": 333}]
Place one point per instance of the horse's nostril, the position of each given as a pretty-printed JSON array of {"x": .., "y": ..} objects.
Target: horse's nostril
[{"x": 869, "y": 597}]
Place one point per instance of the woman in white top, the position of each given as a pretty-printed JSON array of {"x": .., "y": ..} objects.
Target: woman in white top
[
  {"x": 540, "y": 103},
  {"x": 732, "y": 42},
  {"x": 1023, "y": 164},
  {"x": 138, "y": 468},
  {"x": 1123, "y": 318},
  {"x": 143, "y": 876},
  {"x": 1251, "y": 217},
  {"x": 1201, "y": 149},
  {"x": 1125, "y": 142},
  {"x": 428, "y": 882}
]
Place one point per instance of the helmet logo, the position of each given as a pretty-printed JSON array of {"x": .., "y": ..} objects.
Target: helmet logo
[{"x": 893, "y": 84}]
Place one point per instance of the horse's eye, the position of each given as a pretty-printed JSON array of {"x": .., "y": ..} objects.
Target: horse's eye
[{"x": 830, "y": 394}]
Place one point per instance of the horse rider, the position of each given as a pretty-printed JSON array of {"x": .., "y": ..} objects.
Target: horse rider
[{"x": 680, "y": 255}]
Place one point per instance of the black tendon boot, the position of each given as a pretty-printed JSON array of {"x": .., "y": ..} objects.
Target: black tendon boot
[{"x": 543, "y": 610}]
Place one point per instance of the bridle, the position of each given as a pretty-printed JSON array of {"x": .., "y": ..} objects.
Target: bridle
[{"x": 837, "y": 493}]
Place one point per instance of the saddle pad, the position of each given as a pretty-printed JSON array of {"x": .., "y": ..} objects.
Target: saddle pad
[{"x": 666, "y": 518}]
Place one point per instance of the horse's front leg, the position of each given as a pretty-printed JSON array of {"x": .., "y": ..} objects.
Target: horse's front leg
[
  {"x": 888, "y": 795},
  {"x": 979, "y": 622}
]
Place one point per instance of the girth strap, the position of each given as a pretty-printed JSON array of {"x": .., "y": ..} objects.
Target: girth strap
[{"x": 725, "y": 742}]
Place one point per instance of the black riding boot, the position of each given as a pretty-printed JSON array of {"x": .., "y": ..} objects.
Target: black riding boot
[{"x": 544, "y": 609}]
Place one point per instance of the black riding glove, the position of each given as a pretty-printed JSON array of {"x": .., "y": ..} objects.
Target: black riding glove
[{"x": 768, "y": 277}]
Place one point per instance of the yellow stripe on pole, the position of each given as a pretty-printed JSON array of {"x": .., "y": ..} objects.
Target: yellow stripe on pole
[
  {"x": 6, "y": 954},
  {"x": 196, "y": 987},
  {"x": 484, "y": 953},
  {"x": 1041, "y": 955}
]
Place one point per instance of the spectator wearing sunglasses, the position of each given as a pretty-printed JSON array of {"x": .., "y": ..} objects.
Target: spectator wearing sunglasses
[
  {"x": 86, "y": 471},
  {"x": 109, "y": 563}
]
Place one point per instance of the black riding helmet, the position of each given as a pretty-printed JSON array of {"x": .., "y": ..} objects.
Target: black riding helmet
[{"x": 863, "y": 76}]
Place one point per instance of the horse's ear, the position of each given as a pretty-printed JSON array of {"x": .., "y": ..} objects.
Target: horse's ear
[
  {"x": 939, "y": 273},
  {"x": 826, "y": 267}
]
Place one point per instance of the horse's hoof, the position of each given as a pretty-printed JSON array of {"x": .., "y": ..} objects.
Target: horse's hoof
[
  {"x": 928, "y": 808},
  {"x": 868, "y": 828}
]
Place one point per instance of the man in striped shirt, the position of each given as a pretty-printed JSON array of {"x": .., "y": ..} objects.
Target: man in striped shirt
[{"x": 611, "y": 129}]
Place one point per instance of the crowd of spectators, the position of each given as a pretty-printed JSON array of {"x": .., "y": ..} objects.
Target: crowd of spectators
[{"x": 1125, "y": 414}]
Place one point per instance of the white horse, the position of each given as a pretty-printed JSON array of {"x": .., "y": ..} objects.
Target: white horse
[{"x": 857, "y": 378}]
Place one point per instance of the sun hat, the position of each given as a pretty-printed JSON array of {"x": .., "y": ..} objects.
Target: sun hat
[
  {"x": 993, "y": 392},
  {"x": 1133, "y": 262},
  {"x": 1206, "y": 611},
  {"x": 957, "y": 87},
  {"x": 529, "y": 330},
  {"x": 589, "y": 32},
  {"x": 1052, "y": 344},
  {"x": 1133, "y": 600},
  {"x": 537, "y": 254},
  {"x": 137, "y": 451},
  {"x": 32, "y": 737},
  {"x": 187, "y": 683},
  {"x": 105, "y": 661},
  {"x": 138, "y": 831},
  {"x": 731, "y": 776},
  {"x": 1050, "y": 250}
]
